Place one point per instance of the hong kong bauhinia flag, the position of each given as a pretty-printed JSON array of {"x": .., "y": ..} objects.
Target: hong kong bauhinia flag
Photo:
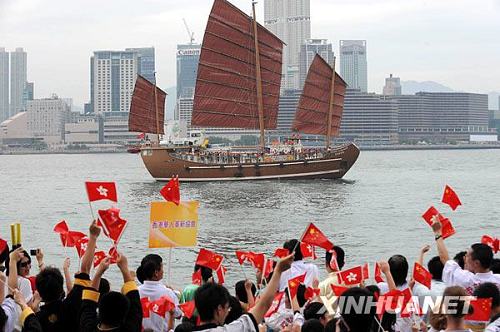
[
  {"x": 378, "y": 273},
  {"x": 315, "y": 237},
  {"x": 209, "y": 259},
  {"x": 188, "y": 308},
  {"x": 111, "y": 223},
  {"x": 494, "y": 243},
  {"x": 81, "y": 246},
  {"x": 162, "y": 305},
  {"x": 353, "y": 276},
  {"x": 101, "y": 190},
  {"x": 451, "y": 198},
  {"x": 196, "y": 278},
  {"x": 171, "y": 191}
]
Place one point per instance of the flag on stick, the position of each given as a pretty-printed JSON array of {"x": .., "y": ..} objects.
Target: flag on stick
[
  {"x": 315, "y": 237},
  {"x": 209, "y": 259},
  {"x": 451, "y": 198},
  {"x": 101, "y": 190},
  {"x": 171, "y": 191}
]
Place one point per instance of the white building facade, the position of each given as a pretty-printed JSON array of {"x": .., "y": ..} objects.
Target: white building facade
[{"x": 353, "y": 64}]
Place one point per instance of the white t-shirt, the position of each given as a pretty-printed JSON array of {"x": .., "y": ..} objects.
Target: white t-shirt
[
  {"x": 12, "y": 312},
  {"x": 24, "y": 286},
  {"x": 493, "y": 326},
  {"x": 246, "y": 323},
  {"x": 298, "y": 268},
  {"x": 454, "y": 275},
  {"x": 154, "y": 290}
]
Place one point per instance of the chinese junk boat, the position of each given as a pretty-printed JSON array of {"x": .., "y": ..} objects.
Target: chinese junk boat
[{"x": 238, "y": 86}]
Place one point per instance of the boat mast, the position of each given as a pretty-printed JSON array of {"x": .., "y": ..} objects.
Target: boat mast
[
  {"x": 330, "y": 109},
  {"x": 260, "y": 104},
  {"x": 156, "y": 110}
]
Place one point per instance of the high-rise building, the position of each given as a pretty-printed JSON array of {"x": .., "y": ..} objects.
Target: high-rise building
[
  {"x": 113, "y": 81},
  {"x": 4, "y": 84},
  {"x": 18, "y": 80},
  {"x": 392, "y": 86},
  {"x": 29, "y": 92},
  {"x": 47, "y": 117},
  {"x": 146, "y": 59},
  {"x": 308, "y": 51},
  {"x": 290, "y": 20},
  {"x": 188, "y": 57},
  {"x": 353, "y": 64}
]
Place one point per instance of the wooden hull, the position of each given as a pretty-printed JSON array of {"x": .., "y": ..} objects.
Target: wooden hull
[{"x": 163, "y": 162}]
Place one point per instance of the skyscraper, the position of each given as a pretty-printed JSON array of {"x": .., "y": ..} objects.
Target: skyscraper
[
  {"x": 353, "y": 65},
  {"x": 308, "y": 51},
  {"x": 392, "y": 86},
  {"x": 290, "y": 20},
  {"x": 18, "y": 80},
  {"x": 146, "y": 58},
  {"x": 113, "y": 81},
  {"x": 4, "y": 85},
  {"x": 188, "y": 56}
]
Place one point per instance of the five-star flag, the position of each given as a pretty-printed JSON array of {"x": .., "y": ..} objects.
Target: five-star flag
[
  {"x": 353, "y": 276},
  {"x": 111, "y": 223},
  {"x": 451, "y": 198},
  {"x": 294, "y": 283},
  {"x": 315, "y": 237},
  {"x": 256, "y": 259},
  {"x": 268, "y": 268},
  {"x": 171, "y": 191},
  {"x": 98, "y": 257},
  {"x": 196, "y": 278},
  {"x": 221, "y": 275},
  {"x": 281, "y": 252},
  {"x": 421, "y": 275},
  {"x": 209, "y": 259},
  {"x": 101, "y": 190},
  {"x": 481, "y": 310},
  {"x": 338, "y": 290}
]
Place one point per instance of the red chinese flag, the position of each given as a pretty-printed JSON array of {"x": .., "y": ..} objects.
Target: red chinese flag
[
  {"x": 221, "y": 275},
  {"x": 171, "y": 191},
  {"x": 390, "y": 301},
  {"x": 145, "y": 307},
  {"x": 481, "y": 310},
  {"x": 256, "y": 259},
  {"x": 447, "y": 229},
  {"x": 294, "y": 283},
  {"x": 352, "y": 276},
  {"x": 493, "y": 243},
  {"x": 113, "y": 253},
  {"x": 113, "y": 225},
  {"x": 378, "y": 273},
  {"x": 365, "y": 271},
  {"x": 275, "y": 305},
  {"x": 101, "y": 190},
  {"x": 281, "y": 252},
  {"x": 81, "y": 246},
  {"x": 311, "y": 293},
  {"x": 307, "y": 250},
  {"x": 242, "y": 256},
  {"x": 338, "y": 290},
  {"x": 421, "y": 275},
  {"x": 268, "y": 268},
  {"x": 61, "y": 227},
  {"x": 196, "y": 277},
  {"x": 451, "y": 198},
  {"x": 408, "y": 304},
  {"x": 70, "y": 238},
  {"x": 188, "y": 309},
  {"x": 162, "y": 305},
  {"x": 315, "y": 237},
  {"x": 98, "y": 257},
  {"x": 209, "y": 259},
  {"x": 431, "y": 212}
]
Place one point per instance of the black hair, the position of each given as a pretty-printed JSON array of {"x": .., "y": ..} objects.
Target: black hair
[
  {"x": 104, "y": 286},
  {"x": 483, "y": 253},
  {"x": 487, "y": 290},
  {"x": 7, "y": 261},
  {"x": 113, "y": 308},
  {"x": 241, "y": 293},
  {"x": 206, "y": 273},
  {"x": 356, "y": 321},
  {"x": 301, "y": 295},
  {"x": 184, "y": 327},
  {"x": 312, "y": 325},
  {"x": 436, "y": 267},
  {"x": 49, "y": 283},
  {"x": 460, "y": 259},
  {"x": 340, "y": 257},
  {"x": 374, "y": 290},
  {"x": 399, "y": 269},
  {"x": 149, "y": 265},
  {"x": 208, "y": 298},
  {"x": 236, "y": 310},
  {"x": 315, "y": 310},
  {"x": 331, "y": 325},
  {"x": 3, "y": 318},
  {"x": 291, "y": 245},
  {"x": 495, "y": 266}
]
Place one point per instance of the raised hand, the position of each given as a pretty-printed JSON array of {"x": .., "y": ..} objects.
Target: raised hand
[
  {"x": 285, "y": 263},
  {"x": 94, "y": 230},
  {"x": 425, "y": 249}
]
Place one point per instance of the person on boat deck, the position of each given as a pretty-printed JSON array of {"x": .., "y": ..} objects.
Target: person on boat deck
[
  {"x": 150, "y": 274},
  {"x": 299, "y": 267},
  {"x": 477, "y": 264},
  {"x": 332, "y": 269}
]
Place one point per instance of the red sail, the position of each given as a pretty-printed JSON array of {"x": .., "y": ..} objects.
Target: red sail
[
  {"x": 142, "y": 116},
  {"x": 312, "y": 113},
  {"x": 226, "y": 88}
]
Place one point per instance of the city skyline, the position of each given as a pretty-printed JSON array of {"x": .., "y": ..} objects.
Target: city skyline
[{"x": 426, "y": 45}]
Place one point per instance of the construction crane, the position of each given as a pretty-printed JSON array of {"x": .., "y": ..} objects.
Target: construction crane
[{"x": 191, "y": 34}]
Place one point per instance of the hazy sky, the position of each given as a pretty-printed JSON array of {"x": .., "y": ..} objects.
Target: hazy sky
[{"x": 453, "y": 42}]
